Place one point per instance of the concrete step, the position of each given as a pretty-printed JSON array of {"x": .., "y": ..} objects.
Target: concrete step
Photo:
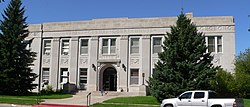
[{"x": 107, "y": 93}]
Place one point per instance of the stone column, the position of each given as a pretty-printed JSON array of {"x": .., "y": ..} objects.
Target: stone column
[
  {"x": 145, "y": 59},
  {"x": 55, "y": 72},
  {"x": 145, "y": 65},
  {"x": 73, "y": 60},
  {"x": 123, "y": 73},
  {"x": 93, "y": 70}
]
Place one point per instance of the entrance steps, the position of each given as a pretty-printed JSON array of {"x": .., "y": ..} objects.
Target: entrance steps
[{"x": 109, "y": 93}]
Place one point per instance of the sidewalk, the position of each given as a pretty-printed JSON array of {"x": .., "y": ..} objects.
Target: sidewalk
[{"x": 81, "y": 98}]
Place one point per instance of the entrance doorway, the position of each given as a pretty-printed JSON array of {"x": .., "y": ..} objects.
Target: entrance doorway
[{"x": 110, "y": 79}]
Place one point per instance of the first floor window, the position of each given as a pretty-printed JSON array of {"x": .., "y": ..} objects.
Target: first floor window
[
  {"x": 64, "y": 75},
  {"x": 45, "y": 75},
  {"x": 134, "y": 76},
  {"x": 83, "y": 76}
]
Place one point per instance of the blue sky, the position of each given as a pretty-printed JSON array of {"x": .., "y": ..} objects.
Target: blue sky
[{"x": 40, "y": 11}]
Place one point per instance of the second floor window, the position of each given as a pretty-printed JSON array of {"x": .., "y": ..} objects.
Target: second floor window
[
  {"x": 84, "y": 46},
  {"x": 65, "y": 47},
  {"x": 214, "y": 44},
  {"x": 108, "y": 46},
  {"x": 134, "y": 45},
  {"x": 157, "y": 41},
  {"x": 211, "y": 44},
  {"x": 47, "y": 47}
]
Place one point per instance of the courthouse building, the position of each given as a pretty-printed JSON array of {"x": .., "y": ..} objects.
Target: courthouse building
[{"x": 117, "y": 54}]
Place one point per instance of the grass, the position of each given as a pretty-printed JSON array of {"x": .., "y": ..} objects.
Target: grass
[
  {"x": 134, "y": 100},
  {"x": 138, "y": 101},
  {"x": 30, "y": 100},
  {"x": 246, "y": 102},
  {"x": 118, "y": 105}
]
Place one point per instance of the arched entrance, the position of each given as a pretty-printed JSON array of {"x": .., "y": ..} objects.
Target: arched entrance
[{"x": 109, "y": 82}]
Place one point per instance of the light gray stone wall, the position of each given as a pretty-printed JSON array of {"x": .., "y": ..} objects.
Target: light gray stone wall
[{"x": 122, "y": 29}]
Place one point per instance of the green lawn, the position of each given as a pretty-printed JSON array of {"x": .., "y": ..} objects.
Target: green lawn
[
  {"x": 32, "y": 99},
  {"x": 134, "y": 100},
  {"x": 138, "y": 101},
  {"x": 119, "y": 105},
  {"x": 246, "y": 102}
]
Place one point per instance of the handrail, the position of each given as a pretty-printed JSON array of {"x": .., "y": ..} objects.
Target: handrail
[{"x": 88, "y": 99}]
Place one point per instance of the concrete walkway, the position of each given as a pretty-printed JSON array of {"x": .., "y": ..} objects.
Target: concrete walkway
[{"x": 81, "y": 98}]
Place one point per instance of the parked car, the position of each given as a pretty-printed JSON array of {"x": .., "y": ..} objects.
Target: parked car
[{"x": 199, "y": 98}]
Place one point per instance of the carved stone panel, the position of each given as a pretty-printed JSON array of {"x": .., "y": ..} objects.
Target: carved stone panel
[
  {"x": 134, "y": 61},
  {"x": 46, "y": 61},
  {"x": 65, "y": 61},
  {"x": 216, "y": 59},
  {"x": 84, "y": 61}
]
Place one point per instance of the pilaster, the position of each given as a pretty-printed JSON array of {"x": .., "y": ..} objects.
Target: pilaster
[
  {"x": 123, "y": 73},
  {"x": 73, "y": 60},
  {"x": 93, "y": 68},
  {"x": 55, "y": 63},
  {"x": 145, "y": 59}
]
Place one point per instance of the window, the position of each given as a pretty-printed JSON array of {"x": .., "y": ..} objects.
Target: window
[
  {"x": 83, "y": 75},
  {"x": 108, "y": 46},
  {"x": 198, "y": 95},
  {"x": 157, "y": 41},
  {"x": 186, "y": 95},
  {"x": 134, "y": 45},
  {"x": 65, "y": 47},
  {"x": 47, "y": 47},
  {"x": 219, "y": 44},
  {"x": 214, "y": 44},
  {"x": 64, "y": 75},
  {"x": 134, "y": 76},
  {"x": 84, "y": 46},
  {"x": 212, "y": 94},
  {"x": 45, "y": 75},
  {"x": 211, "y": 44}
]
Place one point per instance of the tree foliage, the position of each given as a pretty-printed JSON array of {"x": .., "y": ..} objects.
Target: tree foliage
[
  {"x": 235, "y": 84},
  {"x": 242, "y": 73},
  {"x": 224, "y": 83},
  {"x": 16, "y": 76},
  {"x": 184, "y": 64}
]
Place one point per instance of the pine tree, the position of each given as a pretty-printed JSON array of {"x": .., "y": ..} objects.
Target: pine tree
[
  {"x": 16, "y": 76},
  {"x": 184, "y": 64}
]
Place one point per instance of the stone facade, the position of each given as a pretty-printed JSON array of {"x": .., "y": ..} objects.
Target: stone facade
[{"x": 117, "y": 54}]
